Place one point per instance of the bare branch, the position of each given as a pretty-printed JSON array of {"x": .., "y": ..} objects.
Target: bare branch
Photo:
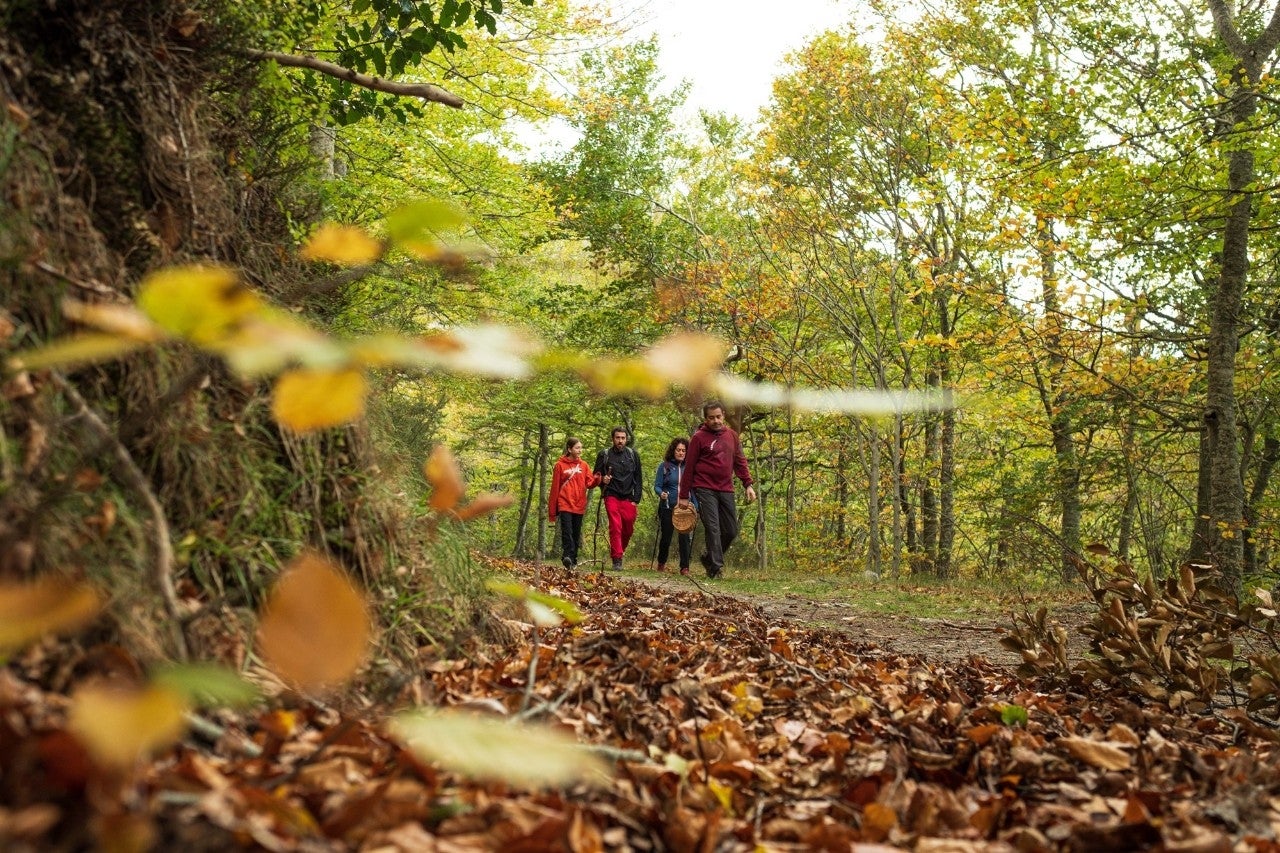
[{"x": 426, "y": 91}]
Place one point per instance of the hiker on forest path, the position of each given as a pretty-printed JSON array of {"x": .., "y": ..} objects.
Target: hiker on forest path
[
  {"x": 714, "y": 456},
  {"x": 666, "y": 485},
  {"x": 618, "y": 467},
  {"x": 570, "y": 480}
]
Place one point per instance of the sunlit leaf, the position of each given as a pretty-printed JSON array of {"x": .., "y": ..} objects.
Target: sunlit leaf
[
  {"x": 113, "y": 317},
  {"x": 494, "y": 351},
  {"x": 687, "y": 359},
  {"x": 442, "y": 473},
  {"x": 200, "y": 303},
  {"x": 346, "y": 245},
  {"x": 489, "y": 748},
  {"x": 520, "y": 592},
  {"x": 119, "y": 726},
  {"x": 305, "y": 400},
  {"x": 315, "y": 627},
  {"x": 867, "y": 402},
  {"x": 31, "y": 610},
  {"x": 272, "y": 340},
  {"x": 207, "y": 685},
  {"x": 418, "y": 227},
  {"x": 74, "y": 351}
]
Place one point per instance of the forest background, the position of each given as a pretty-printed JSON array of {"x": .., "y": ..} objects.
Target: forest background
[{"x": 1060, "y": 214}]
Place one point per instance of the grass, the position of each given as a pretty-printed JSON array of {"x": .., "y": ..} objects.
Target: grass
[{"x": 909, "y": 596}]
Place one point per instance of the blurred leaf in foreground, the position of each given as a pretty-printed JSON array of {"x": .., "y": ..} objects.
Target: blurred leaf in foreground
[
  {"x": 31, "y": 610},
  {"x": 305, "y": 400},
  {"x": 207, "y": 685},
  {"x": 566, "y": 610},
  {"x": 345, "y": 245},
  {"x": 489, "y": 748},
  {"x": 315, "y": 627},
  {"x": 447, "y": 486},
  {"x": 119, "y": 726},
  {"x": 203, "y": 304}
]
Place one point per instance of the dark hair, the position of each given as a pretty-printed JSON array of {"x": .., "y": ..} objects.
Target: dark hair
[
  {"x": 619, "y": 429},
  {"x": 712, "y": 404},
  {"x": 670, "y": 455},
  {"x": 570, "y": 442}
]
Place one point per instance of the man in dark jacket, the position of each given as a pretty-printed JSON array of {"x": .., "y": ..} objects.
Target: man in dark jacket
[
  {"x": 714, "y": 456},
  {"x": 618, "y": 467}
]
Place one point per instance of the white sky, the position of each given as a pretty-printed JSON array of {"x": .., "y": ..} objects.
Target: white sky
[{"x": 731, "y": 50}]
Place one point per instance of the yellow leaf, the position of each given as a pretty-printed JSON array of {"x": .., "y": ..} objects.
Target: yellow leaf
[
  {"x": 723, "y": 794},
  {"x": 120, "y": 726},
  {"x": 304, "y": 400},
  {"x": 201, "y": 303},
  {"x": 345, "y": 245},
  {"x": 441, "y": 471},
  {"x": 489, "y": 748},
  {"x": 74, "y": 352},
  {"x": 315, "y": 627},
  {"x": 29, "y": 611}
]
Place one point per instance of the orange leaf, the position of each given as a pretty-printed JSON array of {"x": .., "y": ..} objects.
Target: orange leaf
[
  {"x": 877, "y": 821},
  {"x": 315, "y": 628},
  {"x": 29, "y": 611},
  {"x": 484, "y": 505},
  {"x": 981, "y": 735},
  {"x": 306, "y": 400},
  {"x": 441, "y": 471}
]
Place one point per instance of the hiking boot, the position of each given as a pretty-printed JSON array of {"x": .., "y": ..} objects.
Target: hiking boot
[
  {"x": 684, "y": 570},
  {"x": 712, "y": 571},
  {"x": 617, "y": 564},
  {"x": 662, "y": 567},
  {"x": 567, "y": 563}
]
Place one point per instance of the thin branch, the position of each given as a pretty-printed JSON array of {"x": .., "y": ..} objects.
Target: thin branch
[
  {"x": 131, "y": 477},
  {"x": 426, "y": 91}
]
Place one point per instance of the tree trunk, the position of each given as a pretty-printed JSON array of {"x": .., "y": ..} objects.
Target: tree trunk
[
  {"x": 1266, "y": 465},
  {"x": 527, "y": 483},
  {"x": 928, "y": 496},
  {"x": 1198, "y": 551},
  {"x": 874, "y": 558},
  {"x": 1226, "y": 503},
  {"x": 542, "y": 492},
  {"x": 947, "y": 495}
]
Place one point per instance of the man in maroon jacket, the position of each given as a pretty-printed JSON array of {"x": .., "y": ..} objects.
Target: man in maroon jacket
[{"x": 714, "y": 456}]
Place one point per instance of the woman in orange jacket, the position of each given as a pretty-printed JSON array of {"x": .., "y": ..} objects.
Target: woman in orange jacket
[{"x": 570, "y": 479}]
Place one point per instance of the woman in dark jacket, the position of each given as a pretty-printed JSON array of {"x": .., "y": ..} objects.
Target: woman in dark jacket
[{"x": 666, "y": 485}]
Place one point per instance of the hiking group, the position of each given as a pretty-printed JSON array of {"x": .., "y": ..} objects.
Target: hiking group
[{"x": 695, "y": 471}]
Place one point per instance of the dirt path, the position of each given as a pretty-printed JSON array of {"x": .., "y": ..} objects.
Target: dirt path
[{"x": 943, "y": 640}]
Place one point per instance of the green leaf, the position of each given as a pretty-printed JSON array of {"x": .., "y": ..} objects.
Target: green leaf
[
  {"x": 207, "y": 685},
  {"x": 1013, "y": 715},
  {"x": 519, "y": 591},
  {"x": 488, "y": 748},
  {"x": 416, "y": 227}
]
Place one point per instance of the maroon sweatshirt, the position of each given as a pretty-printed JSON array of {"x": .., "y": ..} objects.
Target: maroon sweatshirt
[{"x": 711, "y": 461}]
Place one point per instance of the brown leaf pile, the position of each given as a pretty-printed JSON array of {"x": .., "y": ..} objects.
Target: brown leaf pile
[{"x": 731, "y": 733}]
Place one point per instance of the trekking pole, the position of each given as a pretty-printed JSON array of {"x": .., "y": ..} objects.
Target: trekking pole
[{"x": 595, "y": 537}]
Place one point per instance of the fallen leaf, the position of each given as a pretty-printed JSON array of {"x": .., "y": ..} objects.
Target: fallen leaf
[{"x": 1106, "y": 755}]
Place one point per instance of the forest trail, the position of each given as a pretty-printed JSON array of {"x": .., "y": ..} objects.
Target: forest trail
[{"x": 952, "y": 641}]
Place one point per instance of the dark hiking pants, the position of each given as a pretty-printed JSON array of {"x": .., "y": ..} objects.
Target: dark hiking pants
[{"x": 719, "y": 515}]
